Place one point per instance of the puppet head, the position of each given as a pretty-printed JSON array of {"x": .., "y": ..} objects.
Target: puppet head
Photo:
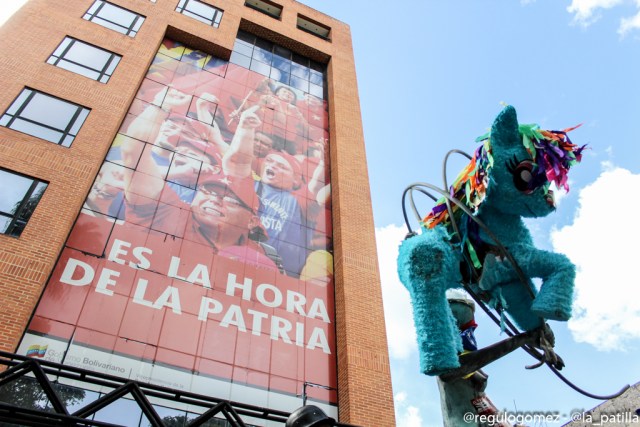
[
  {"x": 511, "y": 172},
  {"x": 526, "y": 160}
]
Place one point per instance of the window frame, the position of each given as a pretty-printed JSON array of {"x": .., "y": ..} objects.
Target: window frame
[
  {"x": 17, "y": 215},
  {"x": 265, "y": 6},
  {"x": 25, "y": 97},
  {"x": 214, "y": 22},
  {"x": 130, "y": 31},
  {"x": 311, "y": 26},
  {"x": 104, "y": 74}
]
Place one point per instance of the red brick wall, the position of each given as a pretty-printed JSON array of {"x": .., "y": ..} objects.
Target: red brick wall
[{"x": 365, "y": 395}]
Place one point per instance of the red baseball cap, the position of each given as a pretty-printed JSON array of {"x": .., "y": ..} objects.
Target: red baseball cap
[
  {"x": 242, "y": 188},
  {"x": 293, "y": 162}
]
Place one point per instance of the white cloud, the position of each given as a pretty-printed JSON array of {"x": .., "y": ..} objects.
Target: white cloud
[
  {"x": 9, "y": 8},
  {"x": 406, "y": 415},
  {"x": 602, "y": 242},
  {"x": 629, "y": 24},
  {"x": 559, "y": 193},
  {"x": 401, "y": 333},
  {"x": 587, "y": 11}
]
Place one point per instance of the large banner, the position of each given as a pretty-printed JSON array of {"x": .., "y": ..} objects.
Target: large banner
[{"x": 202, "y": 259}]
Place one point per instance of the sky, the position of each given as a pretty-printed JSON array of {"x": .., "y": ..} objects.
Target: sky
[{"x": 432, "y": 76}]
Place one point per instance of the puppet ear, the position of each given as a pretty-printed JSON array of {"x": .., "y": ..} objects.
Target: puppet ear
[{"x": 504, "y": 131}]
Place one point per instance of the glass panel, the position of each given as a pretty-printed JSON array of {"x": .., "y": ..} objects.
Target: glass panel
[
  {"x": 302, "y": 60},
  {"x": 300, "y": 71},
  {"x": 15, "y": 208},
  {"x": 79, "y": 121},
  {"x": 67, "y": 141},
  {"x": 264, "y": 44},
  {"x": 4, "y": 223},
  {"x": 110, "y": 25},
  {"x": 262, "y": 55},
  {"x": 316, "y": 78},
  {"x": 316, "y": 90},
  {"x": 241, "y": 60},
  {"x": 112, "y": 66},
  {"x": 246, "y": 38},
  {"x": 34, "y": 199},
  {"x": 12, "y": 190},
  {"x": 24, "y": 392},
  {"x": 282, "y": 63},
  {"x": 138, "y": 24},
  {"x": 49, "y": 111},
  {"x": 260, "y": 67},
  {"x": 115, "y": 18},
  {"x": 196, "y": 17},
  {"x": 36, "y": 130},
  {"x": 170, "y": 417},
  {"x": 122, "y": 411},
  {"x": 281, "y": 51},
  {"x": 299, "y": 83},
  {"x": 74, "y": 398},
  {"x": 62, "y": 46},
  {"x": 243, "y": 48},
  {"x": 25, "y": 213},
  {"x": 19, "y": 101},
  {"x": 117, "y": 15},
  {"x": 279, "y": 75},
  {"x": 78, "y": 69},
  {"x": 204, "y": 10},
  {"x": 317, "y": 67},
  {"x": 92, "y": 56},
  {"x": 44, "y": 116},
  {"x": 93, "y": 9}
]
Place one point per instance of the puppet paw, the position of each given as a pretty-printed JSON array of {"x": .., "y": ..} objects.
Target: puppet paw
[{"x": 550, "y": 309}]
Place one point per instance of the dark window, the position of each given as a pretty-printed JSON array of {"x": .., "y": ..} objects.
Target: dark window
[
  {"x": 201, "y": 11},
  {"x": 19, "y": 196},
  {"x": 313, "y": 27},
  {"x": 266, "y": 7},
  {"x": 44, "y": 116},
  {"x": 114, "y": 17},
  {"x": 85, "y": 59},
  {"x": 279, "y": 63}
]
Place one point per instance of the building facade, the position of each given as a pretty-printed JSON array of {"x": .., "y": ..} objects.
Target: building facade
[{"x": 184, "y": 201}]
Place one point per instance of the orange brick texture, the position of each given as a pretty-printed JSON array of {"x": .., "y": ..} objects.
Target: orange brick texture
[{"x": 364, "y": 381}]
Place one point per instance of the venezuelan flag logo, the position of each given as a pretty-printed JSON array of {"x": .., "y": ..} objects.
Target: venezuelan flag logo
[{"x": 37, "y": 350}]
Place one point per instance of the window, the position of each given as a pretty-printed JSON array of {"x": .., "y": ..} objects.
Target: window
[
  {"x": 19, "y": 196},
  {"x": 313, "y": 27},
  {"x": 44, "y": 116},
  {"x": 266, "y": 7},
  {"x": 85, "y": 59},
  {"x": 279, "y": 64},
  {"x": 201, "y": 11},
  {"x": 114, "y": 17}
]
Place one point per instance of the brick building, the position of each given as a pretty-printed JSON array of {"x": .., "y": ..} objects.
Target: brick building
[{"x": 184, "y": 201}]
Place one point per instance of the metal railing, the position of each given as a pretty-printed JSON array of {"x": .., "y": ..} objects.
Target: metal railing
[{"x": 20, "y": 368}]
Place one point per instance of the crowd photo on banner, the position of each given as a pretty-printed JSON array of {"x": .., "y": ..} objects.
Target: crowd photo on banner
[{"x": 205, "y": 243}]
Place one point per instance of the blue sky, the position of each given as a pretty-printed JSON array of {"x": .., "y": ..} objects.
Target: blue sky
[{"x": 432, "y": 76}]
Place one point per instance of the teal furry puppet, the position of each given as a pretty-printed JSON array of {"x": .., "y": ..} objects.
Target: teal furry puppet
[{"x": 507, "y": 179}]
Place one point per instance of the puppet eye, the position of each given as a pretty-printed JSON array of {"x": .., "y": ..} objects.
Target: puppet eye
[{"x": 522, "y": 175}]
